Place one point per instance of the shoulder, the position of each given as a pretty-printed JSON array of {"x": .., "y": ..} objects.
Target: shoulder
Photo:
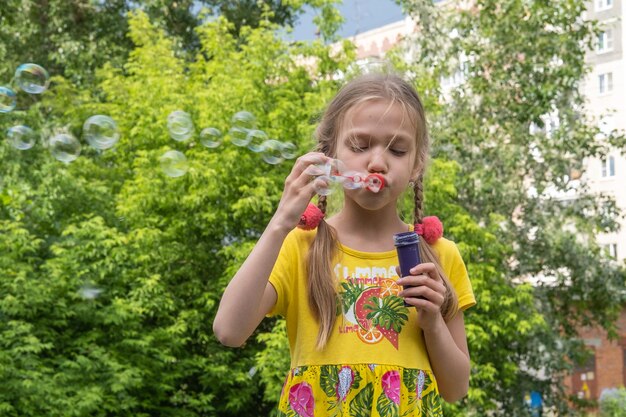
[
  {"x": 300, "y": 237},
  {"x": 446, "y": 248}
]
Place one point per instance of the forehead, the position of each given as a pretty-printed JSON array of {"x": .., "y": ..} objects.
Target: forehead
[{"x": 380, "y": 117}]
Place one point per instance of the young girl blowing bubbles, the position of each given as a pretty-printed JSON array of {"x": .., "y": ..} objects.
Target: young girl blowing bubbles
[{"x": 358, "y": 347}]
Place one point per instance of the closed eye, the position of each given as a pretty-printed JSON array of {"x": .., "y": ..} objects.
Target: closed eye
[{"x": 398, "y": 152}]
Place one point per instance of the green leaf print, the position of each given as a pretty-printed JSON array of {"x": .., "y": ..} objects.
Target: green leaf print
[
  {"x": 350, "y": 293},
  {"x": 328, "y": 380},
  {"x": 431, "y": 405},
  {"x": 391, "y": 313},
  {"x": 386, "y": 407},
  {"x": 409, "y": 378},
  {"x": 361, "y": 405}
]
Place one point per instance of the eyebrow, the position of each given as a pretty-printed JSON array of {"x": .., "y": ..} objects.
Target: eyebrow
[{"x": 398, "y": 137}]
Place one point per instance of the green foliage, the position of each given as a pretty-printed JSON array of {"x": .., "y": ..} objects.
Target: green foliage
[
  {"x": 613, "y": 403},
  {"x": 508, "y": 188},
  {"x": 111, "y": 271}
]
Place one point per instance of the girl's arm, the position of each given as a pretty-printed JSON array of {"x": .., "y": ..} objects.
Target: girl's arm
[
  {"x": 249, "y": 296},
  {"x": 446, "y": 342}
]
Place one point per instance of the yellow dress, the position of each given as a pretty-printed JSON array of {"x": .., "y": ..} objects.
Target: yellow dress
[{"x": 375, "y": 362}]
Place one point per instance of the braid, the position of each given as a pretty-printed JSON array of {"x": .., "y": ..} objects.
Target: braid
[
  {"x": 321, "y": 203},
  {"x": 418, "y": 189}
]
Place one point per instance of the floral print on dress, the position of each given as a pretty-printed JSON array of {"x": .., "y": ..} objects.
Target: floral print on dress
[
  {"x": 391, "y": 385},
  {"x": 301, "y": 399},
  {"x": 360, "y": 390},
  {"x": 346, "y": 376}
]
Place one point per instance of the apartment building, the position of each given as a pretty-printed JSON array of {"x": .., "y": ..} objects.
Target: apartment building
[{"x": 605, "y": 89}]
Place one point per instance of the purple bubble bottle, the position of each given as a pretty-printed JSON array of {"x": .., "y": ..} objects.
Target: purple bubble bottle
[{"x": 408, "y": 252}]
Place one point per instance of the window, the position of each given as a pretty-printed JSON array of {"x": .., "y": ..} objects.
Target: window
[
  {"x": 605, "y": 82},
  {"x": 611, "y": 250},
  {"x": 608, "y": 167},
  {"x": 604, "y": 42},
  {"x": 603, "y": 5}
]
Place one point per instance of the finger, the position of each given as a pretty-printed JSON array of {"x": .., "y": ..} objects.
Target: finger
[
  {"x": 430, "y": 294},
  {"x": 428, "y": 269}
]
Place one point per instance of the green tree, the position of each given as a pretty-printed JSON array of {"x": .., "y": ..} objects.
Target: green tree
[
  {"x": 521, "y": 64},
  {"x": 110, "y": 270}
]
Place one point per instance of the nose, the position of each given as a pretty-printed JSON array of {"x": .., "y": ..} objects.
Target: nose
[{"x": 377, "y": 163}]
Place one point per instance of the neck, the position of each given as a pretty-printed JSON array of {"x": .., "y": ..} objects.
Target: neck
[{"x": 367, "y": 230}]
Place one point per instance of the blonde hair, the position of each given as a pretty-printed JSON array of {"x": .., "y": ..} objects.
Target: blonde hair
[{"x": 321, "y": 283}]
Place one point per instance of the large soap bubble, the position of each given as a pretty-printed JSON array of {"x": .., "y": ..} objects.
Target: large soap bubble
[
  {"x": 243, "y": 123},
  {"x": 174, "y": 164},
  {"x": 101, "y": 132},
  {"x": 272, "y": 152},
  {"x": 211, "y": 137},
  {"x": 7, "y": 99},
  {"x": 288, "y": 150},
  {"x": 21, "y": 137},
  {"x": 64, "y": 147},
  {"x": 180, "y": 125},
  {"x": 32, "y": 78},
  {"x": 256, "y": 140}
]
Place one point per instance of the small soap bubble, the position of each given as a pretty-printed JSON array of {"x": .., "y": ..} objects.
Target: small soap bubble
[
  {"x": 288, "y": 150},
  {"x": 174, "y": 164},
  {"x": 252, "y": 371},
  {"x": 256, "y": 140},
  {"x": 211, "y": 137},
  {"x": 180, "y": 125},
  {"x": 244, "y": 120},
  {"x": 64, "y": 147},
  {"x": 21, "y": 137},
  {"x": 32, "y": 78},
  {"x": 272, "y": 152},
  {"x": 353, "y": 180},
  {"x": 8, "y": 100},
  {"x": 101, "y": 132},
  {"x": 89, "y": 292},
  {"x": 239, "y": 136},
  {"x": 324, "y": 185},
  {"x": 373, "y": 183}
]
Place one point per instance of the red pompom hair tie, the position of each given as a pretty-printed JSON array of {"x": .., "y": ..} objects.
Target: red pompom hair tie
[
  {"x": 430, "y": 229},
  {"x": 311, "y": 217}
]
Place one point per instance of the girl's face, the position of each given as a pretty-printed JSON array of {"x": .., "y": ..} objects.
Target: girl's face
[{"x": 378, "y": 137}]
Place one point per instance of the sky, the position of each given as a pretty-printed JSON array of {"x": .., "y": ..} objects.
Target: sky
[{"x": 360, "y": 15}]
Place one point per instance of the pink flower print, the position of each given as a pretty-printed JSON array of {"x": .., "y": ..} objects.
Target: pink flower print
[
  {"x": 421, "y": 376},
  {"x": 346, "y": 377},
  {"x": 301, "y": 399},
  {"x": 391, "y": 385}
]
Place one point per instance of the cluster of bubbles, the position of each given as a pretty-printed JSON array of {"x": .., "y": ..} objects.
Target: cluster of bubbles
[
  {"x": 333, "y": 175},
  {"x": 99, "y": 131},
  {"x": 243, "y": 133}
]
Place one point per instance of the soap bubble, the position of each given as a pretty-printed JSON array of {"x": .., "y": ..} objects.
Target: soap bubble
[
  {"x": 101, "y": 132},
  {"x": 174, "y": 164},
  {"x": 373, "y": 183},
  {"x": 32, "y": 78},
  {"x": 239, "y": 136},
  {"x": 89, "y": 292},
  {"x": 288, "y": 150},
  {"x": 244, "y": 120},
  {"x": 325, "y": 185},
  {"x": 211, "y": 137},
  {"x": 353, "y": 180},
  {"x": 21, "y": 137},
  {"x": 64, "y": 147},
  {"x": 180, "y": 125},
  {"x": 7, "y": 99},
  {"x": 272, "y": 152},
  {"x": 256, "y": 139}
]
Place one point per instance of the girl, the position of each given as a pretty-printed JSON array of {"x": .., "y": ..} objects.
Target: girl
[{"x": 356, "y": 348}]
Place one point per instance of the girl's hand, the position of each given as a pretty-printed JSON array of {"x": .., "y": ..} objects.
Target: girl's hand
[
  {"x": 298, "y": 191},
  {"x": 424, "y": 282}
]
